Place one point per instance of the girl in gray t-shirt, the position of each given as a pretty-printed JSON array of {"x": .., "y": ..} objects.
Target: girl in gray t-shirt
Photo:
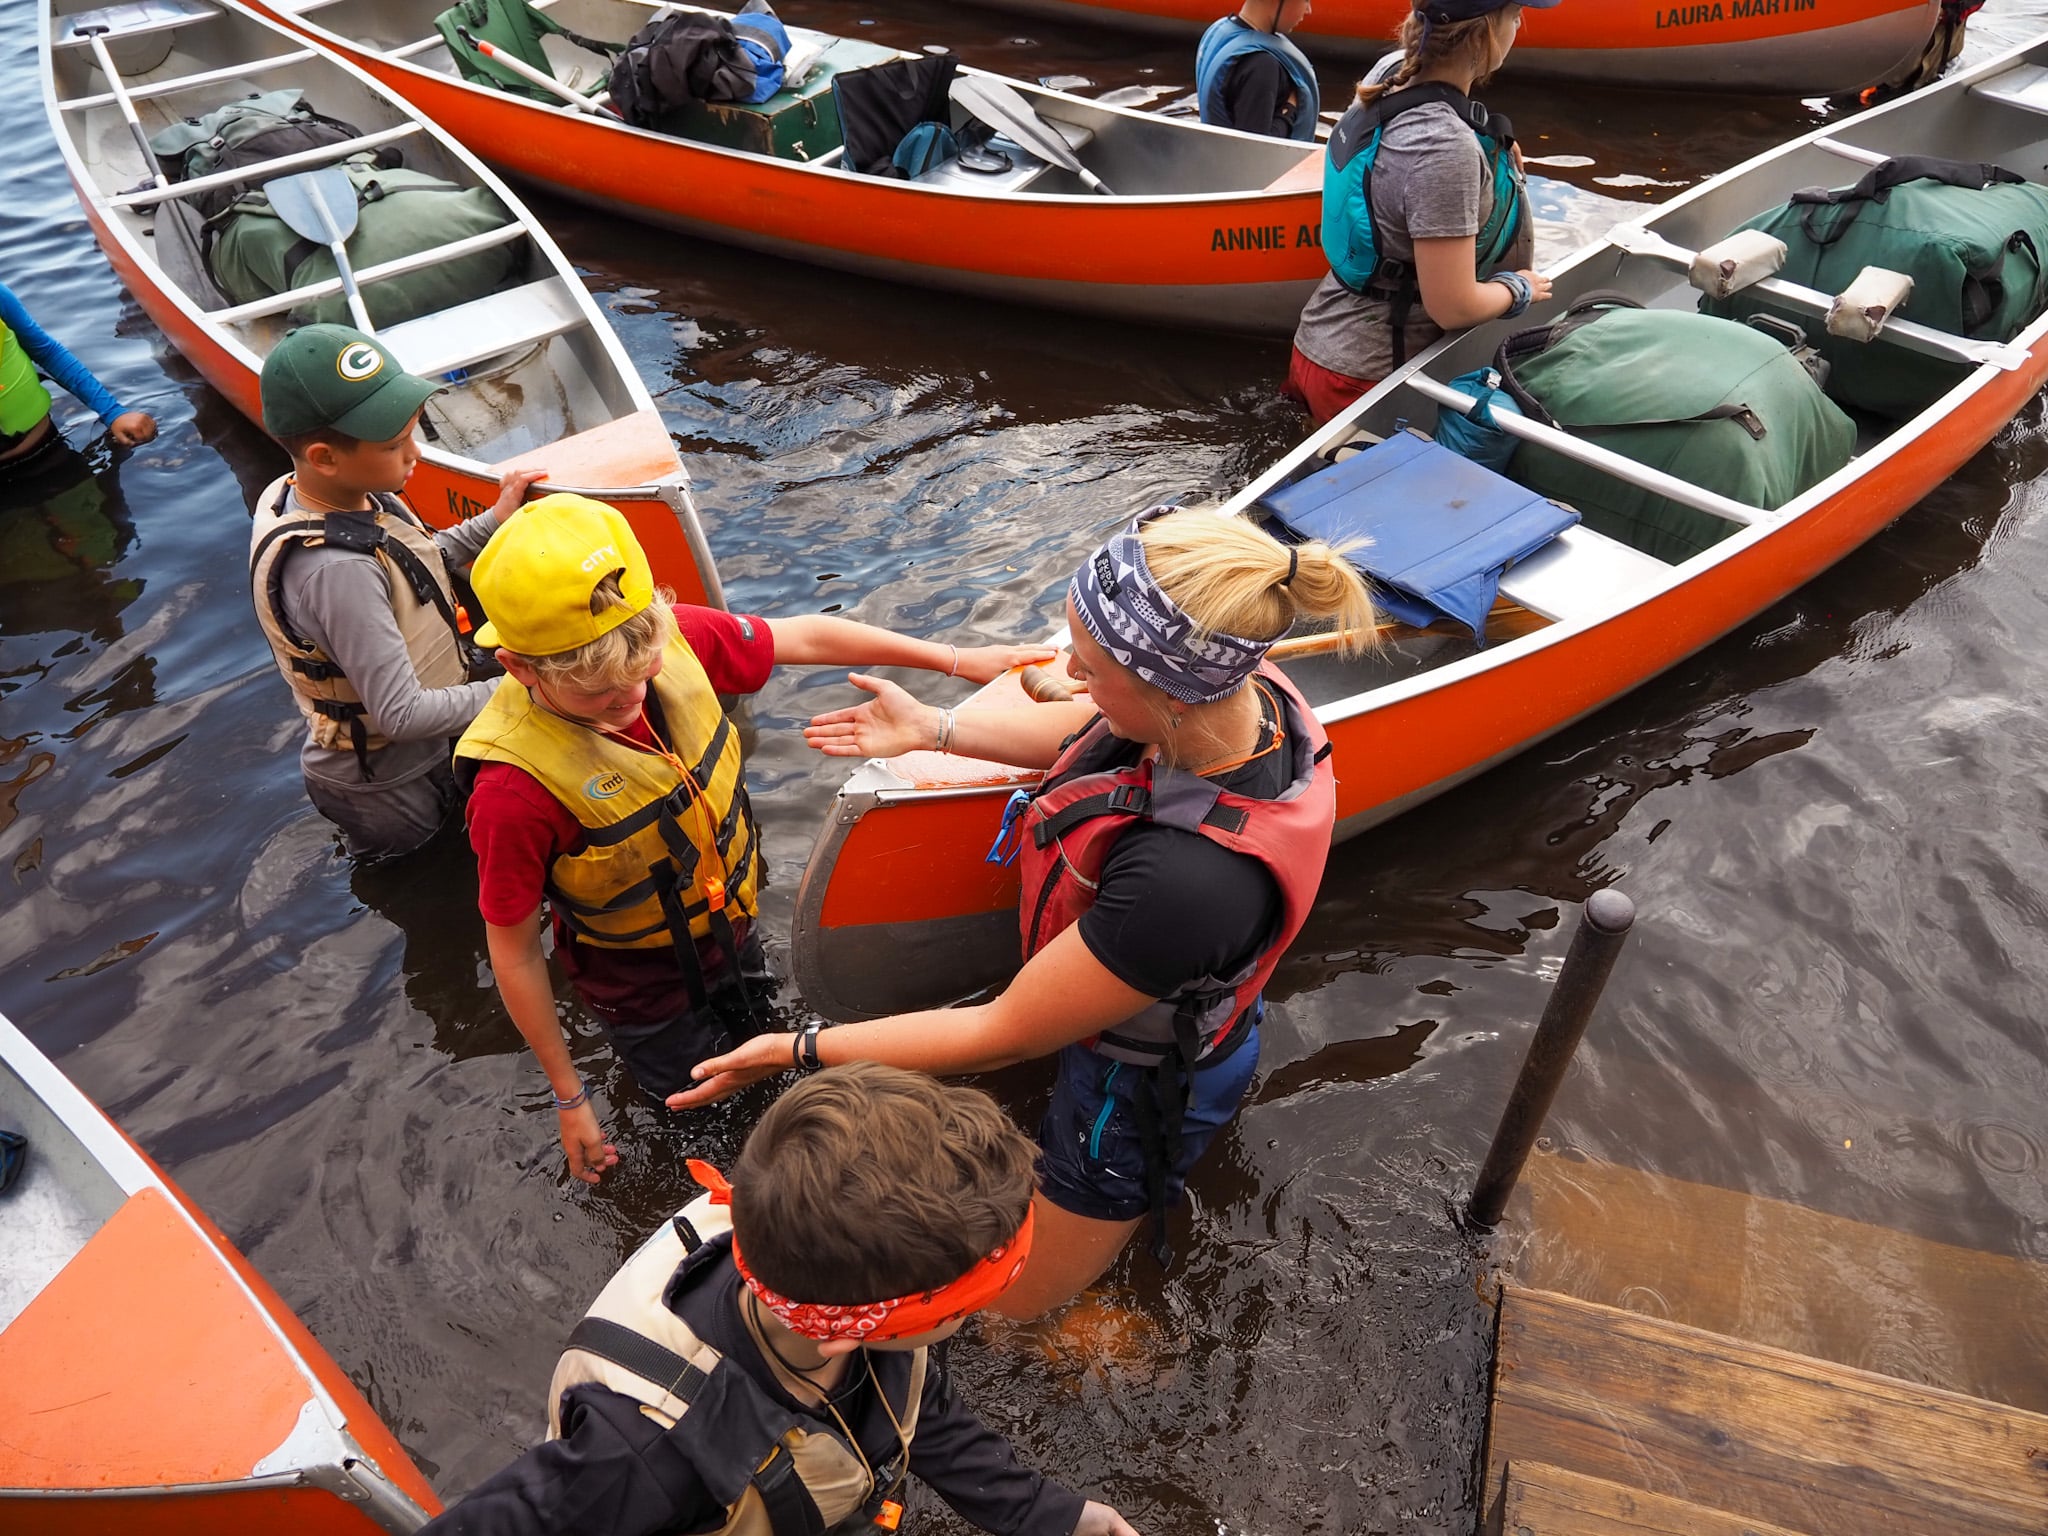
[{"x": 1431, "y": 196}]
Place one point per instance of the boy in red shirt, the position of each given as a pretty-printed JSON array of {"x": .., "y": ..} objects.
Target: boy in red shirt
[{"x": 607, "y": 779}]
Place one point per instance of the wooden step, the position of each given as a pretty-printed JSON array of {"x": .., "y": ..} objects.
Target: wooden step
[
  {"x": 1753, "y": 1431},
  {"x": 1549, "y": 1501},
  {"x": 1782, "y": 1274}
]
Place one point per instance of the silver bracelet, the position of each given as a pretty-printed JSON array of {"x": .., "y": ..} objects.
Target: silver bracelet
[{"x": 953, "y": 667}]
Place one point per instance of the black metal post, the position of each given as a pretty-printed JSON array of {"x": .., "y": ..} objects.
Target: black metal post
[{"x": 1604, "y": 924}]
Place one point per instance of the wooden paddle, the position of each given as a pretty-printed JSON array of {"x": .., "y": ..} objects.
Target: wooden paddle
[{"x": 321, "y": 205}]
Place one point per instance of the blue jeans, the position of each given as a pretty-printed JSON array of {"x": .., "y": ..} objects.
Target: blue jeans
[{"x": 1091, "y": 1148}]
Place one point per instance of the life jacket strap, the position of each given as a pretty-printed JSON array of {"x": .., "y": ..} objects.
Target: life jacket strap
[
  {"x": 633, "y": 1351},
  {"x": 358, "y": 733}
]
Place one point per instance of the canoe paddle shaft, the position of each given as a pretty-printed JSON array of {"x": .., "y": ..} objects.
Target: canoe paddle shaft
[
  {"x": 95, "y": 37},
  {"x": 532, "y": 76}
]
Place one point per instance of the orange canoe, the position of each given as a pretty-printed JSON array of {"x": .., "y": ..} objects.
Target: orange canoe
[
  {"x": 1207, "y": 227},
  {"x": 1788, "y": 47},
  {"x": 151, "y": 1382},
  {"x": 897, "y": 908},
  {"x": 535, "y": 375}
]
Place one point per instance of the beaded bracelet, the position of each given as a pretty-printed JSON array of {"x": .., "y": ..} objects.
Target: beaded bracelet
[
  {"x": 1519, "y": 292},
  {"x": 576, "y": 1100}
]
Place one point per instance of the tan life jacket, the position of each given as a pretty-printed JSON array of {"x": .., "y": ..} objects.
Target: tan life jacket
[
  {"x": 655, "y": 868},
  {"x": 400, "y": 542},
  {"x": 632, "y": 1344}
]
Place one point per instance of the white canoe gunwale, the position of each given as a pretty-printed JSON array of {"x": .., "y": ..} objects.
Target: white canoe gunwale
[{"x": 1596, "y": 645}]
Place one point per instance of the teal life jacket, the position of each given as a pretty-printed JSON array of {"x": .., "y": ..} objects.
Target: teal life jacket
[
  {"x": 1351, "y": 239},
  {"x": 1231, "y": 39}
]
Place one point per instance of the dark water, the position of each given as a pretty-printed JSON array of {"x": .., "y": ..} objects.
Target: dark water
[{"x": 1832, "y": 823}]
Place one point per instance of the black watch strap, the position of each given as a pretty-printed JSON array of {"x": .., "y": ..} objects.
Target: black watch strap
[{"x": 806, "y": 1048}]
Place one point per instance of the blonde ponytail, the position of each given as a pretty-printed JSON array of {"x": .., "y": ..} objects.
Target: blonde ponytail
[{"x": 1231, "y": 576}]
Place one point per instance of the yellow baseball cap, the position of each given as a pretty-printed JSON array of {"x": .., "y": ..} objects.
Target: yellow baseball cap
[{"x": 536, "y": 575}]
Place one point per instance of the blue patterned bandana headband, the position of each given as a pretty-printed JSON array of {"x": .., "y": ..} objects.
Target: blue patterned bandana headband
[{"x": 1133, "y": 619}]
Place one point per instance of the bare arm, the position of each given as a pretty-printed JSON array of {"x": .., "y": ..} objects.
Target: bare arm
[
  {"x": 522, "y": 973},
  {"x": 1063, "y": 994},
  {"x": 893, "y": 722},
  {"x": 823, "y": 640},
  {"x": 1452, "y": 295}
]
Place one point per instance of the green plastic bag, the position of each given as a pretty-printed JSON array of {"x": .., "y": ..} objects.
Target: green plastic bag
[
  {"x": 1969, "y": 235},
  {"x": 1718, "y": 404},
  {"x": 252, "y": 254}
]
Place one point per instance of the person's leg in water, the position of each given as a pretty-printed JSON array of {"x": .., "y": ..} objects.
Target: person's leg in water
[{"x": 1092, "y": 1188}]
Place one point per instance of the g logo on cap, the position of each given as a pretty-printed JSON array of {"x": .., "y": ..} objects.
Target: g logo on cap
[{"x": 358, "y": 361}]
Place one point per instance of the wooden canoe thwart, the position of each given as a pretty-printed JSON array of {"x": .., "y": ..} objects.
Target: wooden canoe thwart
[
  {"x": 897, "y": 909},
  {"x": 1790, "y": 47},
  {"x": 1206, "y": 228},
  {"x": 534, "y": 375},
  {"x": 151, "y": 1382}
]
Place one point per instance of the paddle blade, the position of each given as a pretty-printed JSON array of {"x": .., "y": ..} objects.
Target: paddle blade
[
  {"x": 1004, "y": 109},
  {"x": 317, "y": 205}
]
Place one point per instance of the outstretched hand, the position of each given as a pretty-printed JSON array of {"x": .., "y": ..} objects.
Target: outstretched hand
[
  {"x": 888, "y": 725},
  {"x": 583, "y": 1140},
  {"x": 722, "y": 1076},
  {"x": 986, "y": 663}
]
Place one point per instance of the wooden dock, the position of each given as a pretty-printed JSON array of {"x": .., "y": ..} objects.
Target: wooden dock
[{"x": 1609, "y": 1422}]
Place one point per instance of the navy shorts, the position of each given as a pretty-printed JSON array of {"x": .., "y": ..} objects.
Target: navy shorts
[{"x": 1091, "y": 1155}]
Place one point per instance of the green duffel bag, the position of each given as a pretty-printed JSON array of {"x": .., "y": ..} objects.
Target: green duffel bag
[
  {"x": 1969, "y": 235},
  {"x": 253, "y": 254},
  {"x": 1721, "y": 405}
]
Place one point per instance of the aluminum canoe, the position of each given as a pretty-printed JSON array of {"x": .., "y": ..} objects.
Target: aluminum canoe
[
  {"x": 1778, "y": 47},
  {"x": 1209, "y": 228},
  {"x": 897, "y": 908},
  {"x": 151, "y": 1382},
  {"x": 536, "y": 375}
]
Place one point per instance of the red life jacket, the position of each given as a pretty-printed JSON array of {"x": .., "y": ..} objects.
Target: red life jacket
[{"x": 1080, "y": 811}]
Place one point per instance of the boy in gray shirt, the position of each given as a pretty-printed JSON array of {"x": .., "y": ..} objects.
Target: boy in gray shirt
[{"x": 353, "y": 591}]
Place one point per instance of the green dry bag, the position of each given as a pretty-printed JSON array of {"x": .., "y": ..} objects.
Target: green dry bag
[
  {"x": 1969, "y": 235},
  {"x": 1720, "y": 405},
  {"x": 252, "y": 254}
]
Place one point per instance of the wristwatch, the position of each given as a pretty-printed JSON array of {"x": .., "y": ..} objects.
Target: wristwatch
[{"x": 803, "y": 1049}]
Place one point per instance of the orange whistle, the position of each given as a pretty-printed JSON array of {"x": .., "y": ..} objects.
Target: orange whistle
[
  {"x": 462, "y": 622},
  {"x": 714, "y": 895},
  {"x": 889, "y": 1516}
]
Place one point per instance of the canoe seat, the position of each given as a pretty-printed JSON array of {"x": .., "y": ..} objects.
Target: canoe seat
[
  {"x": 449, "y": 339},
  {"x": 131, "y": 19},
  {"x": 1432, "y": 530},
  {"x": 2025, "y": 87},
  {"x": 1580, "y": 574}
]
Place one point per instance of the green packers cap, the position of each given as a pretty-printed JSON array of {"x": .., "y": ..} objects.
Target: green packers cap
[{"x": 335, "y": 376}]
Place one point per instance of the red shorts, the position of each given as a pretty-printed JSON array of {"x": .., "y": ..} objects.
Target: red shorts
[{"x": 1322, "y": 391}]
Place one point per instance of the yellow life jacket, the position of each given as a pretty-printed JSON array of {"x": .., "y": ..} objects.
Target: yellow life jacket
[
  {"x": 633, "y": 1344},
  {"x": 665, "y": 859},
  {"x": 23, "y": 399},
  {"x": 412, "y": 562}
]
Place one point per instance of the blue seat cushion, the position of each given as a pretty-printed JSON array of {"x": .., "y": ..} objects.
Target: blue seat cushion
[{"x": 1441, "y": 529}]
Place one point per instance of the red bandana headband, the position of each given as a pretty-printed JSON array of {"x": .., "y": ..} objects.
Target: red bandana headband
[{"x": 875, "y": 1322}]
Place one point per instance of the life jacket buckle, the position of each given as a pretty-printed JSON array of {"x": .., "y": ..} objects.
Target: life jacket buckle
[
  {"x": 1135, "y": 798},
  {"x": 1010, "y": 830}
]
